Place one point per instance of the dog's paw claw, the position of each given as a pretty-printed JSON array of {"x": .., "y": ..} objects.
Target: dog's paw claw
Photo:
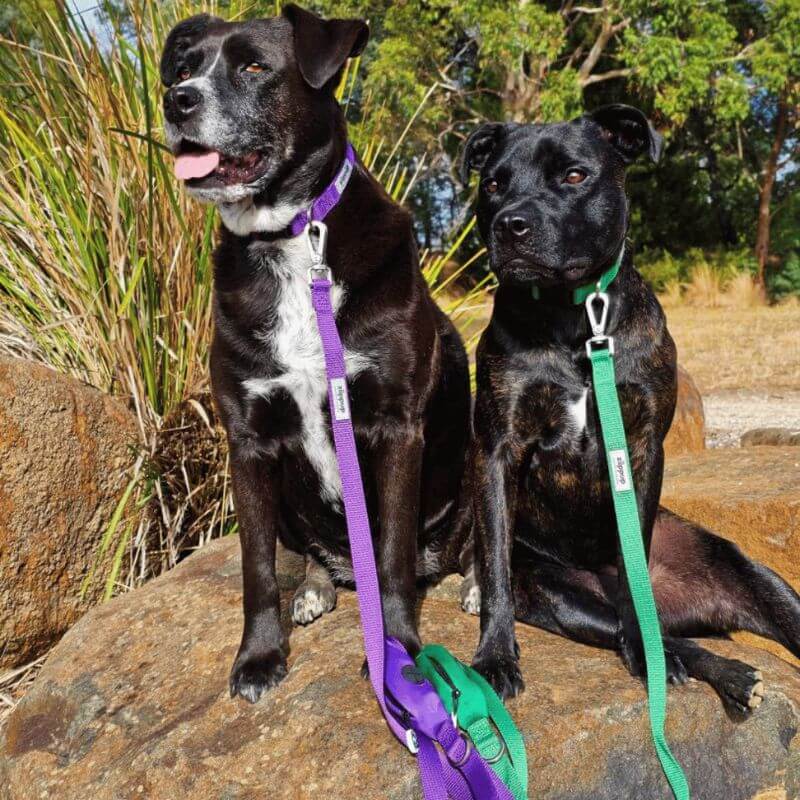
[
  {"x": 502, "y": 673},
  {"x": 252, "y": 676},
  {"x": 470, "y": 596},
  {"x": 311, "y": 601}
]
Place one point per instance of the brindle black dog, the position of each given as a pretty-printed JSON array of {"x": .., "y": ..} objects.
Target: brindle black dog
[{"x": 553, "y": 212}]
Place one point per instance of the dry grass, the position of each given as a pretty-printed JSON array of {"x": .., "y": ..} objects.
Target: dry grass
[
  {"x": 710, "y": 288},
  {"x": 755, "y": 348},
  {"x": 14, "y": 684}
]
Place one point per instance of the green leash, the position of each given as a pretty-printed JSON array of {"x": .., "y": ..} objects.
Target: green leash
[
  {"x": 600, "y": 349},
  {"x": 480, "y": 713}
]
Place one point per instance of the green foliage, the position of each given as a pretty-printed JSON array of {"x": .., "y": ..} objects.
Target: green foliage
[
  {"x": 787, "y": 281},
  {"x": 19, "y": 18}
]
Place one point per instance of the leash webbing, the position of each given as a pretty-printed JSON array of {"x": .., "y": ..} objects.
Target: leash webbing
[
  {"x": 600, "y": 349},
  {"x": 410, "y": 704}
]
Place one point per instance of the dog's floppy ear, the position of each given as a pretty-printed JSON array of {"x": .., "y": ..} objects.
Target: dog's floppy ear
[
  {"x": 183, "y": 35},
  {"x": 322, "y": 46},
  {"x": 629, "y": 131},
  {"x": 479, "y": 147}
]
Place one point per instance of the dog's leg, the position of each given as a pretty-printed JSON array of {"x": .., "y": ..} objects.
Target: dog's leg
[
  {"x": 576, "y": 604},
  {"x": 471, "y": 585},
  {"x": 261, "y": 660},
  {"x": 398, "y": 467},
  {"x": 495, "y": 498},
  {"x": 315, "y": 596},
  {"x": 706, "y": 584}
]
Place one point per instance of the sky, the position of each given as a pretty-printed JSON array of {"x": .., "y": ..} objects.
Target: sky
[{"x": 88, "y": 10}]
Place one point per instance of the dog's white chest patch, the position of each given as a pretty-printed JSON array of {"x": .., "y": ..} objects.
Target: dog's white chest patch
[
  {"x": 294, "y": 339},
  {"x": 577, "y": 411}
]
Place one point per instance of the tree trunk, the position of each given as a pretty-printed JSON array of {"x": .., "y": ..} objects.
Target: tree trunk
[{"x": 765, "y": 191}]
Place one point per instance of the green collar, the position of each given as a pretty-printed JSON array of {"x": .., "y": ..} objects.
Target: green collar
[{"x": 580, "y": 294}]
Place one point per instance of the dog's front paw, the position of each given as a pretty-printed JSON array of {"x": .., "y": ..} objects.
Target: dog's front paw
[
  {"x": 677, "y": 674},
  {"x": 502, "y": 672},
  {"x": 251, "y": 675},
  {"x": 471, "y": 596},
  {"x": 311, "y": 600},
  {"x": 631, "y": 651}
]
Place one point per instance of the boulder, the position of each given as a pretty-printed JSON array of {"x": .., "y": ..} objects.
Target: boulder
[
  {"x": 751, "y": 496},
  {"x": 776, "y": 437},
  {"x": 133, "y": 703},
  {"x": 688, "y": 431},
  {"x": 65, "y": 457}
]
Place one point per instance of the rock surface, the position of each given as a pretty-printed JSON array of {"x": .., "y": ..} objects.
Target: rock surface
[
  {"x": 133, "y": 703},
  {"x": 65, "y": 453},
  {"x": 688, "y": 431},
  {"x": 775, "y": 437}
]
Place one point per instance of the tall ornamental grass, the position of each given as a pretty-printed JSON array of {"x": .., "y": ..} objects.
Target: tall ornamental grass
[{"x": 105, "y": 266}]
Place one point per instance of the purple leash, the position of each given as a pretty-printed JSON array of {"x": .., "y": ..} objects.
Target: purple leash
[{"x": 409, "y": 703}]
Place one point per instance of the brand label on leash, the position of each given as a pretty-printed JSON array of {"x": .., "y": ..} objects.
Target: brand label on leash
[
  {"x": 343, "y": 176},
  {"x": 620, "y": 470},
  {"x": 341, "y": 403}
]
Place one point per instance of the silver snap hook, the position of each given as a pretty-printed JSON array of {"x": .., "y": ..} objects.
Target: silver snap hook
[
  {"x": 598, "y": 324},
  {"x": 317, "y": 246}
]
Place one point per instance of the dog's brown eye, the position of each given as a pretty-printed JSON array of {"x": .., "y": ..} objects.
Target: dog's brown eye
[
  {"x": 490, "y": 186},
  {"x": 254, "y": 69},
  {"x": 184, "y": 74},
  {"x": 575, "y": 176}
]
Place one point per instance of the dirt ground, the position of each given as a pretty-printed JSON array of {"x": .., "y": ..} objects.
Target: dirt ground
[{"x": 746, "y": 363}]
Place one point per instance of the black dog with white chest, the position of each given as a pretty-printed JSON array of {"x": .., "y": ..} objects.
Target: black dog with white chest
[
  {"x": 253, "y": 121},
  {"x": 553, "y": 212}
]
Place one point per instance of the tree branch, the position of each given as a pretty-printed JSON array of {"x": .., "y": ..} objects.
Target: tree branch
[
  {"x": 607, "y": 32},
  {"x": 607, "y": 76}
]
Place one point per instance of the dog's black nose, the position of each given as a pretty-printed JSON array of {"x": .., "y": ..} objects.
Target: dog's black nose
[
  {"x": 512, "y": 226},
  {"x": 181, "y": 102}
]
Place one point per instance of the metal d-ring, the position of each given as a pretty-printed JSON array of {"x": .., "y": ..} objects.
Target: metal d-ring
[
  {"x": 467, "y": 753},
  {"x": 495, "y": 759}
]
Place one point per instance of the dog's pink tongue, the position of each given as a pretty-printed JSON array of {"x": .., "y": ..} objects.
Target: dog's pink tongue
[{"x": 196, "y": 165}]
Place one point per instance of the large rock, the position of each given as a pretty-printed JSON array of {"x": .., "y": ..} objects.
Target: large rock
[
  {"x": 133, "y": 703},
  {"x": 774, "y": 437},
  {"x": 751, "y": 496},
  {"x": 65, "y": 454},
  {"x": 688, "y": 431}
]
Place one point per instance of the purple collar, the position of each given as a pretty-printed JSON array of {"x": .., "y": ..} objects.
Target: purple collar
[{"x": 326, "y": 202}]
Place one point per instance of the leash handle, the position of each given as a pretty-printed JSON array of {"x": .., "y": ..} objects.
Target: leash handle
[
  {"x": 477, "y": 710},
  {"x": 600, "y": 349}
]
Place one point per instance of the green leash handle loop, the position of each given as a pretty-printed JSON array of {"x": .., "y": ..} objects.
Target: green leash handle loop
[
  {"x": 633, "y": 554},
  {"x": 480, "y": 713}
]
